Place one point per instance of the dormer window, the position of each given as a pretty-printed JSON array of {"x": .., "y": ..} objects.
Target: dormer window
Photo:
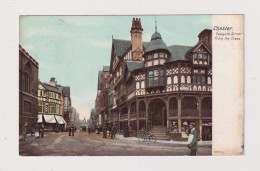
[
  {"x": 161, "y": 55},
  {"x": 205, "y": 56},
  {"x": 155, "y": 55},
  {"x": 200, "y": 56},
  {"x": 149, "y": 57}
]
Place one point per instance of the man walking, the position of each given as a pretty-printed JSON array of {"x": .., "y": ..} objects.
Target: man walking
[
  {"x": 24, "y": 130},
  {"x": 42, "y": 130},
  {"x": 193, "y": 144},
  {"x": 105, "y": 131}
]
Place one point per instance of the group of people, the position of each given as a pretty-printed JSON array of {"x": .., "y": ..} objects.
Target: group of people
[
  {"x": 127, "y": 131},
  {"x": 111, "y": 129},
  {"x": 35, "y": 129}
]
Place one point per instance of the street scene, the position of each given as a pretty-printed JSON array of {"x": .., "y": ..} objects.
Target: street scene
[
  {"x": 84, "y": 144},
  {"x": 89, "y": 87}
]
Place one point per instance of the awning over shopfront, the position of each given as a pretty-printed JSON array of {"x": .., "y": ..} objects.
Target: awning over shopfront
[
  {"x": 64, "y": 120},
  {"x": 49, "y": 118},
  {"x": 39, "y": 118},
  {"x": 60, "y": 119}
]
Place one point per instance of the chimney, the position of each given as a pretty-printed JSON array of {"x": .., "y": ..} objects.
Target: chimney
[
  {"x": 206, "y": 37},
  {"x": 53, "y": 82},
  {"x": 136, "y": 39}
]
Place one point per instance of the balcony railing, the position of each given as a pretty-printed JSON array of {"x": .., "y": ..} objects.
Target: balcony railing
[
  {"x": 124, "y": 116},
  {"x": 141, "y": 114},
  {"x": 133, "y": 115},
  {"x": 206, "y": 112},
  {"x": 173, "y": 112},
  {"x": 189, "y": 113}
]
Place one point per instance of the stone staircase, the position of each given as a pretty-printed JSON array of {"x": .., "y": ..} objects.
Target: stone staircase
[{"x": 160, "y": 133}]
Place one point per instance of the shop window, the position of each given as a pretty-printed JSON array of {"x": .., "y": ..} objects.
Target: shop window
[{"x": 174, "y": 126}]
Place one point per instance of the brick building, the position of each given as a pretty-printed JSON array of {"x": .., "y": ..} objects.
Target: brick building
[{"x": 28, "y": 88}]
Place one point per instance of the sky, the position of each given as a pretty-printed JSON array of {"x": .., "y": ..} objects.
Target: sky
[{"x": 73, "y": 48}]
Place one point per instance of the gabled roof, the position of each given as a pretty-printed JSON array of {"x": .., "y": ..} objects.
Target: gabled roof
[
  {"x": 131, "y": 66},
  {"x": 51, "y": 88},
  {"x": 121, "y": 46},
  {"x": 178, "y": 52},
  {"x": 197, "y": 46}
]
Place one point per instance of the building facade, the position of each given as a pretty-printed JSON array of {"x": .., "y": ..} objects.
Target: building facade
[
  {"x": 50, "y": 105},
  {"x": 159, "y": 87},
  {"x": 28, "y": 86}
]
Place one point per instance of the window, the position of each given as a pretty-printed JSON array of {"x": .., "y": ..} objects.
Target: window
[
  {"x": 161, "y": 55},
  {"x": 27, "y": 106},
  {"x": 182, "y": 79},
  {"x": 209, "y": 80},
  {"x": 149, "y": 57},
  {"x": 198, "y": 79},
  {"x": 194, "y": 79},
  {"x": 195, "y": 56},
  {"x": 142, "y": 84},
  {"x": 27, "y": 83},
  {"x": 155, "y": 78},
  {"x": 52, "y": 108},
  {"x": 155, "y": 55},
  {"x": 175, "y": 79},
  {"x": 203, "y": 79},
  {"x": 205, "y": 56},
  {"x": 200, "y": 56},
  {"x": 188, "y": 79},
  {"x": 169, "y": 80},
  {"x": 41, "y": 106},
  {"x": 137, "y": 85}
]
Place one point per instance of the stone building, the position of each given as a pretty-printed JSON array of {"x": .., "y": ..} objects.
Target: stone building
[
  {"x": 28, "y": 87},
  {"x": 159, "y": 87}
]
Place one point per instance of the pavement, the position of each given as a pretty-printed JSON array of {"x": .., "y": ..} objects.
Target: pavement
[{"x": 83, "y": 144}]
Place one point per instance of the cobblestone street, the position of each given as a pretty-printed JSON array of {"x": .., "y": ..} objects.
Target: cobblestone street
[{"x": 83, "y": 144}]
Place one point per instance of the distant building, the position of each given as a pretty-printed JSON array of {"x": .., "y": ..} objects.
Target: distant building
[{"x": 28, "y": 86}]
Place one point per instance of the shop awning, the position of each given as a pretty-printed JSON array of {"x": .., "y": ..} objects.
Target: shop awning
[
  {"x": 49, "y": 118},
  {"x": 64, "y": 120},
  {"x": 39, "y": 118},
  {"x": 59, "y": 119}
]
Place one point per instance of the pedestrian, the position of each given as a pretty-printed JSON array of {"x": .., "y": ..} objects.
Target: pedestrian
[
  {"x": 37, "y": 130},
  {"x": 105, "y": 131},
  {"x": 89, "y": 129},
  {"x": 24, "y": 130},
  {"x": 72, "y": 130},
  {"x": 109, "y": 129},
  {"x": 194, "y": 139},
  {"x": 32, "y": 131},
  {"x": 130, "y": 131},
  {"x": 42, "y": 130},
  {"x": 126, "y": 131},
  {"x": 113, "y": 131}
]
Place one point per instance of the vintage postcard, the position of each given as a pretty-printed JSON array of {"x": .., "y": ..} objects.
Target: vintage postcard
[{"x": 164, "y": 85}]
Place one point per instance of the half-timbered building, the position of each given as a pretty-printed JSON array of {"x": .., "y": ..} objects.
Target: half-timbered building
[{"x": 162, "y": 88}]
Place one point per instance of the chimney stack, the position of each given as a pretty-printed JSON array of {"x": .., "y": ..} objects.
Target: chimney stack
[
  {"x": 136, "y": 39},
  {"x": 53, "y": 82}
]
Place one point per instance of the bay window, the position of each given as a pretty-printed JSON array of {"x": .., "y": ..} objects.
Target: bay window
[{"x": 156, "y": 77}]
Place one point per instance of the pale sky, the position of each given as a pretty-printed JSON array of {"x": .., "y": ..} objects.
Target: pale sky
[{"x": 73, "y": 48}]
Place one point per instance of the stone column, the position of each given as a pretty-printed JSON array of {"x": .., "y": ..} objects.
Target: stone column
[{"x": 179, "y": 114}]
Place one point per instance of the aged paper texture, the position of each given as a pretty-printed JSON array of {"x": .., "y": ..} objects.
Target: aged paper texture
[{"x": 228, "y": 68}]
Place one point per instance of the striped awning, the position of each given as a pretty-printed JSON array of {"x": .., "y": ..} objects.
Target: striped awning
[
  {"x": 49, "y": 118},
  {"x": 60, "y": 119}
]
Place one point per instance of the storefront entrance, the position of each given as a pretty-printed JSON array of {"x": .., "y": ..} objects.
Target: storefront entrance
[{"x": 157, "y": 113}]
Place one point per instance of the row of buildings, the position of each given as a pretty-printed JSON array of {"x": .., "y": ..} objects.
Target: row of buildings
[
  {"x": 159, "y": 87},
  {"x": 40, "y": 102}
]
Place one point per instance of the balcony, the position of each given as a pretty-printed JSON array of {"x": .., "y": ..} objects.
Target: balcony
[
  {"x": 206, "y": 112},
  {"x": 141, "y": 114},
  {"x": 133, "y": 115},
  {"x": 123, "y": 116},
  {"x": 173, "y": 113},
  {"x": 189, "y": 113}
]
